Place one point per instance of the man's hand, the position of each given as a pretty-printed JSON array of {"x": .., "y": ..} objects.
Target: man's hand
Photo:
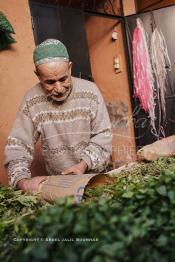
[
  {"x": 78, "y": 169},
  {"x": 31, "y": 185}
]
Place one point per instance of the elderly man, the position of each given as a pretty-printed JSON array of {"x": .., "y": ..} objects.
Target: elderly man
[{"x": 68, "y": 114}]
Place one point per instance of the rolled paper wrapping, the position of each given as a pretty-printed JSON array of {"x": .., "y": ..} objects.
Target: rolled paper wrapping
[
  {"x": 164, "y": 147},
  {"x": 56, "y": 187}
]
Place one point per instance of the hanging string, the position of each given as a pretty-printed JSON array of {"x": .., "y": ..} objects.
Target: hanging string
[
  {"x": 160, "y": 63},
  {"x": 142, "y": 72}
]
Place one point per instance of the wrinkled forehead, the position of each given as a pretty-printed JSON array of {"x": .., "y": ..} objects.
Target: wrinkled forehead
[{"x": 56, "y": 68}]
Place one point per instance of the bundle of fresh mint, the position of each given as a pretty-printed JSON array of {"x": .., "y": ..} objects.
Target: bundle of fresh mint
[{"x": 132, "y": 218}]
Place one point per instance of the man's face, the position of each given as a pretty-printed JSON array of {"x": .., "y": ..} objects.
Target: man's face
[{"x": 55, "y": 78}]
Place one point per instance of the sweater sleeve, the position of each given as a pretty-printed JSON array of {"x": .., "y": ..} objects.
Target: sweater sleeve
[
  {"x": 19, "y": 150},
  {"x": 99, "y": 149}
]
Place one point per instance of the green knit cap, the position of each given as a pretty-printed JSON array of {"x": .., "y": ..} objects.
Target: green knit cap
[{"x": 50, "y": 50}]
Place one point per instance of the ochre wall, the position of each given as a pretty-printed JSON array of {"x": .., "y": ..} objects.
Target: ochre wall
[
  {"x": 129, "y": 7},
  {"x": 114, "y": 87},
  {"x": 16, "y": 69}
]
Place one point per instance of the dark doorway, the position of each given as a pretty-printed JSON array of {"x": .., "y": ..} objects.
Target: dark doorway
[{"x": 67, "y": 25}]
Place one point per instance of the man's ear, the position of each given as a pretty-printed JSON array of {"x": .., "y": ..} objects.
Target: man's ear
[
  {"x": 36, "y": 72},
  {"x": 70, "y": 67}
]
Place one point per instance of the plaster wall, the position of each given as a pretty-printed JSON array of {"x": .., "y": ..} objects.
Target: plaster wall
[
  {"x": 114, "y": 86},
  {"x": 129, "y": 7}
]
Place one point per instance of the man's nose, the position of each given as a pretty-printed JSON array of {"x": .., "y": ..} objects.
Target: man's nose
[{"x": 58, "y": 87}]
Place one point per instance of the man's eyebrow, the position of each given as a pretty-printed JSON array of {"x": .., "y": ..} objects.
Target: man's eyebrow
[
  {"x": 53, "y": 80},
  {"x": 62, "y": 77}
]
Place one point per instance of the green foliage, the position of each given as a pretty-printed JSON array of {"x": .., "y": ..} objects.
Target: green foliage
[
  {"x": 125, "y": 180},
  {"x": 6, "y": 30},
  {"x": 14, "y": 205},
  {"x": 132, "y": 218}
]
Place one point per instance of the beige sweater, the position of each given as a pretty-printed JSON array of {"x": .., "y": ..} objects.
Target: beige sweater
[{"x": 77, "y": 129}]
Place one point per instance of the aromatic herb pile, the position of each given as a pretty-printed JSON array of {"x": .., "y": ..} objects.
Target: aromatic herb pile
[
  {"x": 132, "y": 219},
  {"x": 14, "y": 205},
  {"x": 126, "y": 179}
]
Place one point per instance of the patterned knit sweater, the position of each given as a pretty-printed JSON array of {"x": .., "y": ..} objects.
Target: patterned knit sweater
[{"x": 77, "y": 129}]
